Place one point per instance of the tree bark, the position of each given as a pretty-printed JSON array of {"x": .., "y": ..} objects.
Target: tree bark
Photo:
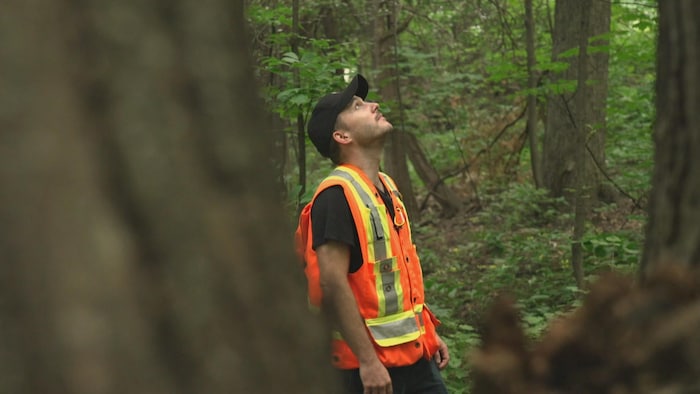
[
  {"x": 535, "y": 158},
  {"x": 448, "y": 200},
  {"x": 562, "y": 116},
  {"x": 143, "y": 246},
  {"x": 383, "y": 59},
  {"x": 401, "y": 145},
  {"x": 582, "y": 198},
  {"x": 673, "y": 234}
]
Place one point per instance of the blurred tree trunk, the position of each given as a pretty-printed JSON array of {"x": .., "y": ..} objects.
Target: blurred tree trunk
[
  {"x": 564, "y": 119},
  {"x": 143, "y": 245},
  {"x": 673, "y": 234}
]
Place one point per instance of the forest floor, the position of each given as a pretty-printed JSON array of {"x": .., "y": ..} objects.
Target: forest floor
[
  {"x": 516, "y": 244},
  {"x": 461, "y": 253}
]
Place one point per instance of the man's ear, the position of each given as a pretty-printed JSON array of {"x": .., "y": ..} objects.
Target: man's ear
[{"x": 341, "y": 137}]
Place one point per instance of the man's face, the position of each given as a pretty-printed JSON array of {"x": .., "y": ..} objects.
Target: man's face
[{"x": 364, "y": 121}]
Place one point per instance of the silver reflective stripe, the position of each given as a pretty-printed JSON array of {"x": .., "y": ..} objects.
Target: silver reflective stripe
[
  {"x": 369, "y": 202},
  {"x": 391, "y": 296},
  {"x": 394, "y": 329}
]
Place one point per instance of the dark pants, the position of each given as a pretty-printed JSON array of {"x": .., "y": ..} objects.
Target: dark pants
[{"x": 423, "y": 377}]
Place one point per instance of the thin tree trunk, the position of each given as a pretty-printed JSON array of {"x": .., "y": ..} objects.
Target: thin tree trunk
[
  {"x": 143, "y": 247},
  {"x": 535, "y": 158},
  {"x": 582, "y": 198}
]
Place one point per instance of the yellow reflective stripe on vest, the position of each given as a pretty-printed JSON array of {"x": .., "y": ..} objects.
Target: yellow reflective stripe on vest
[
  {"x": 395, "y": 329},
  {"x": 390, "y": 182},
  {"x": 388, "y": 281},
  {"x": 418, "y": 309}
]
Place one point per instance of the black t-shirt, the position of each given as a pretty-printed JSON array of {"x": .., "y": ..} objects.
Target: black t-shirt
[{"x": 331, "y": 219}]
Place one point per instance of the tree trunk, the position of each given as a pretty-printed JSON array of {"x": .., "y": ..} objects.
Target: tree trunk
[
  {"x": 673, "y": 234},
  {"x": 448, "y": 200},
  {"x": 582, "y": 198},
  {"x": 384, "y": 59},
  {"x": 143, "y": 247},
  {"x": 563, "y": 118},
  {"x": 401, "y": 145},
  {"x": 263, "y": 47},
  {"x": 535, "y": 158}
]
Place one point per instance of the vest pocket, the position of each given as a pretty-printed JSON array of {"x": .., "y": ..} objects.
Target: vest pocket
[{"x": 394, "y": 329}]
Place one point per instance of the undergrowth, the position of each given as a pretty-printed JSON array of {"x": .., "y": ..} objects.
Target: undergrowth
[{"x": 517, "y": 244}]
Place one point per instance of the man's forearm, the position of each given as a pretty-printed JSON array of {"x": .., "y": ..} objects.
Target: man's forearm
[{"x": 345, "y": 313}]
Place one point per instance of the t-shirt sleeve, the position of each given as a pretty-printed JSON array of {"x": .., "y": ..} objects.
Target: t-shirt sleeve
[{"x": 331, "y": 220}]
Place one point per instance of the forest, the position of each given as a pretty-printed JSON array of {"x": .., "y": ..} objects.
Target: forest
[
  {"x": 153, "y": 161},
  {"x": 523, "y": 137}
]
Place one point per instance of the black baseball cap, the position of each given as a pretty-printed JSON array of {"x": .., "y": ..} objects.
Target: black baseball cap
[{"x": 322, "y": 122}]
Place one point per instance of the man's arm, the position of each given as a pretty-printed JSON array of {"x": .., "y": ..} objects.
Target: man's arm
[{"x": 339, "y": 302}]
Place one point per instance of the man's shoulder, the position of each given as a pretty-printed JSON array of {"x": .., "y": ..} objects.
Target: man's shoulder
[{"x": 331, "y": 192}]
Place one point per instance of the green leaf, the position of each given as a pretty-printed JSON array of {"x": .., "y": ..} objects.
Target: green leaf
[
  {"x": 568, "y": 53},
  {"x": 290, "y": 57},
  {"x": 300, "y": 99}
]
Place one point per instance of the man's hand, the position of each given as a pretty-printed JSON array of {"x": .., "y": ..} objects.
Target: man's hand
[
  {"x": 442, "y": 356},
  {"x": 375, "y": 378}
]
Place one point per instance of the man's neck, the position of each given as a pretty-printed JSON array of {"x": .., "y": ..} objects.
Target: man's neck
[{"x": 369, "y": 164}]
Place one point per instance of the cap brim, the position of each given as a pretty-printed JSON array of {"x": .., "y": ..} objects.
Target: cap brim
[{"x": 357, "y": 87}]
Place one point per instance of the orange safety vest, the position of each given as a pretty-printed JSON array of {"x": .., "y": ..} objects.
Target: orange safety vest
[{"x": 388, "y": 287}]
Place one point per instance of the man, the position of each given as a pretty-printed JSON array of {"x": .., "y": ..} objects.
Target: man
[{"x": 361, "y": 263}]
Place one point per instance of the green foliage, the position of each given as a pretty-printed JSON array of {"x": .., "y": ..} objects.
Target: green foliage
[
  {"x": 519, "y": 244},
  {"x": 279, "y": 16},
  {"x": 305, "y": 76},
  {"x": 461, "y": 65},
  {"x": 302, "y": 78},
  {"x": 631, "y": 108},
  {"x": 460, "y": 336},
  {"x": 618, "y": 252}
]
